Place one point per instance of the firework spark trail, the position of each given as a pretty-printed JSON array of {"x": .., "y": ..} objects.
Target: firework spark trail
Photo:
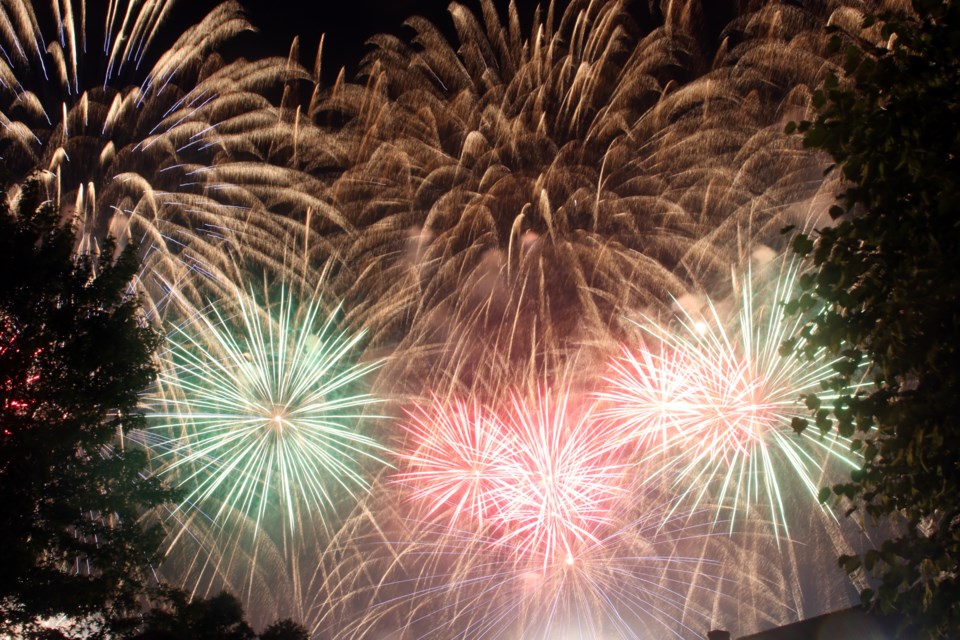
[
  {"x": 716, "y": 393},
  {"x": 647, "y": 576}
]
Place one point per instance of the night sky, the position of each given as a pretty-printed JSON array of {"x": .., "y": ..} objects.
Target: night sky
[{"x": 348, "y": 24}]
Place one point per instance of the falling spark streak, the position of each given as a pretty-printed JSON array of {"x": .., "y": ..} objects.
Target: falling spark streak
[
  {"x": 116, "y": 146},
  {"x": 640, "y": 579},
  {"x": 516, "y": 194}
]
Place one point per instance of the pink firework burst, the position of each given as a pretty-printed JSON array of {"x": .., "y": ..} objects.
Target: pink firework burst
[
  {"x": 713, "y": 403},
  {"x": 650, "y": 396},
  {"x": 713, "y": 391},
  {"x": 539, "y": 477},
  {"x": 731, "y": 404},
  {"x": 565, "y": 476},
  {"x": 453, "y": 458}
]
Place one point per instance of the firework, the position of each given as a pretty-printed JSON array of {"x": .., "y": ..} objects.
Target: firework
[
  {"x": 564, "y": 477},
  {"x": 714, "y": 393},
  {"x": 515, "y": 196},
  {"x": 456, "y": 459},
  {"x": 497, "y": 205},
  {"x": 258, "y": 422},
  {"x": 646, "y": 576},
  {"x": 177, "y": 150},
  {"x": 539, "y": 472}
]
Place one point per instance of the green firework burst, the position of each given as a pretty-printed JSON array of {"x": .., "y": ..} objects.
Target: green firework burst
[{"x": 260, "y": 415}]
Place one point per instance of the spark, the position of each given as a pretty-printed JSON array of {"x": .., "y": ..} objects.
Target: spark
[
  {"x": 456, "y": 451},
  {"x": 108, "y": 140},
  {"x": 539, "y": 472}
]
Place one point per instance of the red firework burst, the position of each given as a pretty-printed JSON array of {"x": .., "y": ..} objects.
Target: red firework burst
[{"x": 565, "y": 476}]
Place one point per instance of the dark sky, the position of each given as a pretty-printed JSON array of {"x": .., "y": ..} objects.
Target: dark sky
[{"x": 349, "y": 23}]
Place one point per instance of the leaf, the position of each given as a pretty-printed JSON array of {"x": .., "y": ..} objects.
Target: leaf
[
  {"x": 798, "y": 424},
  {"x": 849, "y": 563},
  {"x": 802, "y": 244}
]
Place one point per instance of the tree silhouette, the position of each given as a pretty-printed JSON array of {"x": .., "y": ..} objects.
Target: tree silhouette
[
  {"x": 74, "y": 354},
  {"x": 888, "y": 273}
]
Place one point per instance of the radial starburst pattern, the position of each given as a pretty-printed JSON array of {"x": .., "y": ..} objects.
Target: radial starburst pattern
[
  {"x": 456, "y": 459},
  {"x": 564, "y": 475},
  {"x": 260, "y": 421},
  {"x": 537, "y": 475},
  {"x": 709, "y": 401}
]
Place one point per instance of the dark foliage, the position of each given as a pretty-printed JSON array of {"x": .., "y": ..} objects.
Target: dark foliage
[
  {"x": 888, "y": 272},
  {"x": 285, "y": 630},
  {"x": 74, "y": 354},
  {"x": 217, "y": 618}
]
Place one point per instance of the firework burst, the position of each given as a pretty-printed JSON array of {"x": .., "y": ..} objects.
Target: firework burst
[
  {"x": 565, "y": 477},
  {"x": 709, "y": 402},
  {"x": 540, "y": 475},
  {"x": 179, "y": 151},
  {"x": 516, "y": 196},
  {"x": 456, "y": 458},
  {"x": 258, "y": 420}
]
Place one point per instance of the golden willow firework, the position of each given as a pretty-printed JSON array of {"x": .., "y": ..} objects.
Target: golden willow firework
[
  {"x": 518, "y": 201},
  {"x": 515, "y": 196},
  {"x": 179, "y": 151}
]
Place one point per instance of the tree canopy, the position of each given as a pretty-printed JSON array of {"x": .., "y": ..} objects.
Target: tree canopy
[
  {"x": 217, "y": 618},
  {"x": 888, "y": 273},
  {"x": 74, "y": 354}
]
